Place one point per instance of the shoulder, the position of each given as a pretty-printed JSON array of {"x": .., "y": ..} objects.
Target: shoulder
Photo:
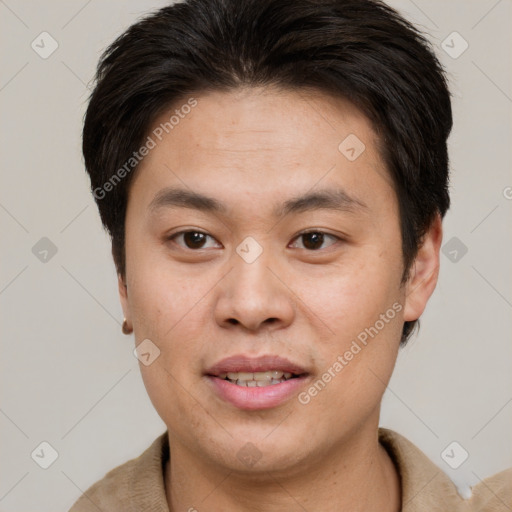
[
  {"x": 493, "y": 494},
  {"x": 138, "y": 484},
  {"x": 425, "y": 487}
]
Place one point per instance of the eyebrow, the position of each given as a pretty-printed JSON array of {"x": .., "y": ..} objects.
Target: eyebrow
[{"x": 326, "y": 199}]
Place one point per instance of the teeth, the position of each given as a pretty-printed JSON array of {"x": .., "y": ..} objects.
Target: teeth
[
  {"x": 256, "y": 379},
  {"x": 257, "y": 383},
  {"x": 240, "y": 376},
  {"x": 263, "y": 376}
]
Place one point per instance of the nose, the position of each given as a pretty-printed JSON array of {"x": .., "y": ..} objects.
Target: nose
[{"x": 255, "y": 295}]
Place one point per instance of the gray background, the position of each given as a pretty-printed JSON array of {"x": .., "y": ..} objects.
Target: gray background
[{"x": 68, "y": 375}]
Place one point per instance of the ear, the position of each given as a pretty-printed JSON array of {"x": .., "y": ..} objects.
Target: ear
[
  {"x": 424, "y": 272},
  {"x": 123, "y": 296}
]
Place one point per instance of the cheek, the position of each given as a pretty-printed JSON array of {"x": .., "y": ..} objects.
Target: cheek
[
  {"x": 361, "y": 304},
  {"x": 356, "y": 367},
  {"x": 167, "y": 309},
  {"x": 159, "y": 295},
  {"x": 352, "y": 295}
]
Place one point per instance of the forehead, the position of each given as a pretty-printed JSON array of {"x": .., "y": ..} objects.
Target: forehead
[
  {"x": 266, "y": 119},
  {"x": 262, "y": 144}
]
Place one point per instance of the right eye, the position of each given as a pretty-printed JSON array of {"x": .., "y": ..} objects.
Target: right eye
[{"x": 193, "y": 239}]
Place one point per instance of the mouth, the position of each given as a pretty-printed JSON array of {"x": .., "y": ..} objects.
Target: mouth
[
  {"x": 256, "y": 383},
  {"x": 258, "y": 379}
]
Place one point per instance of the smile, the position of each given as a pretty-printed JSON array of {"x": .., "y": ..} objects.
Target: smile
[{"x": 257, "y": 379}]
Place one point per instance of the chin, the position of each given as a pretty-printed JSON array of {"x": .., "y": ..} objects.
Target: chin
[{"x": 254, "y": 451}]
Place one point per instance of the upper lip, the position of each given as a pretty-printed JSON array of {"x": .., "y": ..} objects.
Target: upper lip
[{"x": 242, "y": 363}]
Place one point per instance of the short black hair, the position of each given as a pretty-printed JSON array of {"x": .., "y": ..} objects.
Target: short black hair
[{"x": 359, "y": 50}]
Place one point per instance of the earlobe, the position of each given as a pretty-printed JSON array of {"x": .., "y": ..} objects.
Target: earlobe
[{"x": 424, "y": 272}]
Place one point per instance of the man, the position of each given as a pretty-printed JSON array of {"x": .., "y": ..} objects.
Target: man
[{"x": 273, "y": 175}]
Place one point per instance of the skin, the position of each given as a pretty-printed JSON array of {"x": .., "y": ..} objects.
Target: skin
[{"x": 252, "y": 149}]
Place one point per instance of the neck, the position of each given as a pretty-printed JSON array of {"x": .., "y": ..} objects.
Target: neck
[{"x": 356, "y": 476}]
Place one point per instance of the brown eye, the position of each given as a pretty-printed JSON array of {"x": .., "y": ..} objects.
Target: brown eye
[
  {"x": 313, "y": 240},
  {"x": 191, "y": 239}
]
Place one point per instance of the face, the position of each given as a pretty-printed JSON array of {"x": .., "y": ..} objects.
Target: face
[{"x": 274, "y": 304}]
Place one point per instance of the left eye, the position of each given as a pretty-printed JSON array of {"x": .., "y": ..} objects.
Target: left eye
[{"x": 315, "y": 239}]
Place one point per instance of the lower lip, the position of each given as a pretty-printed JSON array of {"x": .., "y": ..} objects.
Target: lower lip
[{"x": 256, "y": 398}]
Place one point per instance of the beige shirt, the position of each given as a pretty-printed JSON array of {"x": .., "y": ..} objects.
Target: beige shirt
[{"x": 138, "y": 485}]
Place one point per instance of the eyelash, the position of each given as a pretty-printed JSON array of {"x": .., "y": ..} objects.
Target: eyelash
[{"x": 302, "y": 233}]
